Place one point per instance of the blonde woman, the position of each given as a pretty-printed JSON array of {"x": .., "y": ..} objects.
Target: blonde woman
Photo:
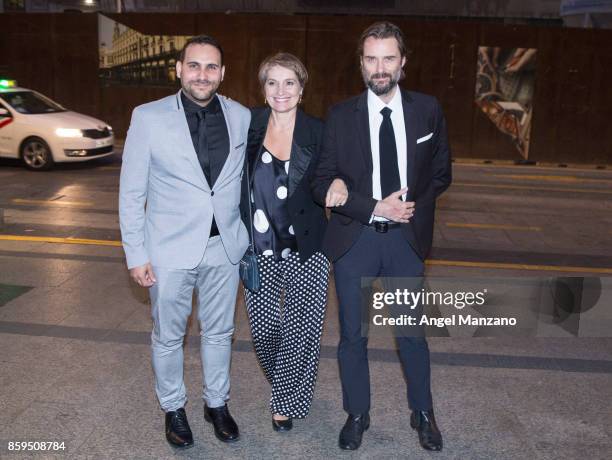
[{"x": 286, "y": 314}]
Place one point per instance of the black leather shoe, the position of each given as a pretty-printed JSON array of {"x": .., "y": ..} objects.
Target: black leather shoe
[
  {"x": 178, "y": 432},
  {"x": 352, "y": 431},
  {"x": 282, "y": 425},
  {"x": 226, "y": 429},
  {"x": 425, "y": 424}
]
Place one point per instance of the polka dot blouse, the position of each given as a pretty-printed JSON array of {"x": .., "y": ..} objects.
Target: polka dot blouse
[{"x": 273, "y": 233}]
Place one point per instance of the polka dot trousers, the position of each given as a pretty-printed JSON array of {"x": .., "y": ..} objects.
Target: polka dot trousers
[{"x": 286, "y": 318}]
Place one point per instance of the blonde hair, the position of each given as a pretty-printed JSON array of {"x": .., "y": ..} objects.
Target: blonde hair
[{"x": 286, "y": 60}]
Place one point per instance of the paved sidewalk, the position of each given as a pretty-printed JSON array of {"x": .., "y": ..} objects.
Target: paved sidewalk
[{"x": 74, "y": 332}]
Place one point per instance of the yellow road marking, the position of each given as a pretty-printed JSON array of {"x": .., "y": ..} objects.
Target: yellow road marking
[
  {"x": 527, "y": 187},
  {"x": 540, "y": 166},
  {"x": 448, "y": 263},
  {"x": 52, "y": 239},
  {"x": 52, "y": 203},
  {"x": 493, "y": 226},
  {"x": 552, "y": 178},
  {"x": 512, "y": 266}
]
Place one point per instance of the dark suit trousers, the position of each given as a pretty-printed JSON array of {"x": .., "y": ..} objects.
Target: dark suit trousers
[{"x": 386, "y": 255}]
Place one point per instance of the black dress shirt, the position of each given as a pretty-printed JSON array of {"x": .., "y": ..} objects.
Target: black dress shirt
[{"x": 211, "y": 146}]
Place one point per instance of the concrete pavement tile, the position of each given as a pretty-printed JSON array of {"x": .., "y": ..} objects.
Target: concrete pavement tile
[
  {"x": 572, "y": 450},
  {"x": 100, "y": 277},
  {"x": 21, "y": 383},
  {"x": 38, "y": 272},
  {"x": 95, "y": 379},
  {"x": 570, "y": 406},
  {"x": 475, "y": 414},
  {"x": 47, "y": 305},
  {"x": 576, "y": 348},
  {"x": 106, "y": 313},
  {"x": 138, "y": 317},
  {"x": 36, "y": 306},
  {"x": 51, "y": 421},
  {"x": 32, "y": 350}
]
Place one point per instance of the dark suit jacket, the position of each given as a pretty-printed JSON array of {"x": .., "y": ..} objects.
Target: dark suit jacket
[
  {"x": 346, "y": 153},
  {"x": 307, "y": 217}
]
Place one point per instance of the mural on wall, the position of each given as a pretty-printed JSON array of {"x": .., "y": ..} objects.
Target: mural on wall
[
  {"x": 505, "y": 80},
  {"x": 130, "y": 57}
]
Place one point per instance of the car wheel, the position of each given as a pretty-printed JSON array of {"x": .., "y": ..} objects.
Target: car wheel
[{"x": 36, "y": 154}]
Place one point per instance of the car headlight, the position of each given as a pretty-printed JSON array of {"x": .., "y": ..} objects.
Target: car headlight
[{"x": 68, "y": 132}]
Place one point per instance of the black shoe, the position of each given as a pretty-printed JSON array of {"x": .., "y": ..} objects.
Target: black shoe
[
  {"x": 282, "y": 425},
  {"x": 425, "y": 424},
  {"x": 226, "y": 429},
  {"x": 352, "y": 431},
  {"x": 178, "y": 432}
]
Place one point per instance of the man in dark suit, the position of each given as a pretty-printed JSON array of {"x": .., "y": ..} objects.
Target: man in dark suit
[{"x": 390, "y": 148}]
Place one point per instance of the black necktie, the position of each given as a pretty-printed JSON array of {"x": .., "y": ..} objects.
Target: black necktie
[
  {"x": 203, "y": 156},
  {"x": 389, "y": 170}
]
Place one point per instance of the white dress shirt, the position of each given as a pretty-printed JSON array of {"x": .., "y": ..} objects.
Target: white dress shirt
[{"x": 375, "y": 105}]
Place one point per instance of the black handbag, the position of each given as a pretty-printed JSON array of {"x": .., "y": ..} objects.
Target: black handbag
[{"x": 249, "y": 271}]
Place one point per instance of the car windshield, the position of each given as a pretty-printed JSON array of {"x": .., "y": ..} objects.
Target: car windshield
[{"x": 29, "y": 102}]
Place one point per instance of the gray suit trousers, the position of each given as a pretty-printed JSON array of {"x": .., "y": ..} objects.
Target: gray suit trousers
[{"x": 215, "y": 282}]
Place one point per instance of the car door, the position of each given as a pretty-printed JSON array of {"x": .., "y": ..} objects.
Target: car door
[{"x": 7, "y": 132}]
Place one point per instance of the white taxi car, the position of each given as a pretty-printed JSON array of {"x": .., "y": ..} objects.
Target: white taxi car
[{"x": 42, "y": 132}]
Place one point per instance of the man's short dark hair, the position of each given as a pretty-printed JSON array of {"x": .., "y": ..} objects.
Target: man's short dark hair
[
  {"x": 380, "y": 30},
  {"x": 200, "y": 40}
]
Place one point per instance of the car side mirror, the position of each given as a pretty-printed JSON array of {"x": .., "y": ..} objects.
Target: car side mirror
[{"x": 4, "y": 112}]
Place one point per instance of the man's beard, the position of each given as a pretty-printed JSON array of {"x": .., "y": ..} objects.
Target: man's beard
[
  {"x": 380, "y": 89},
  {"x": 204, "y": 94}
]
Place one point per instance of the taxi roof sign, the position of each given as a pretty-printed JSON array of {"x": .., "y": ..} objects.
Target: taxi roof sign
[{"x": 5, "y": 83}]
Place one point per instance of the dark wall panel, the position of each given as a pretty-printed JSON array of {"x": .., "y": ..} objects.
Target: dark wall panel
[
  {"x": 332, "y": 61},
  {"x": 57, "y": 54},
  {"x": 444, "y": 61},
  {"x": 74, "y": 36},
  {"x": 544, "y": 126},
  {"x": 265, "y": 35},
  {"x": 30, "y": 55},
  {"x": 235, "y": 60},
  {"x": 575, "y": 58}
]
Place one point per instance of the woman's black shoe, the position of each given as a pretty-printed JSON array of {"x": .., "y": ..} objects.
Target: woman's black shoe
[{"x": 282, "y": 425}]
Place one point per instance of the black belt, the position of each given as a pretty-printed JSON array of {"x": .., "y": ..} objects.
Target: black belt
[{"x": 383, "y": 227}]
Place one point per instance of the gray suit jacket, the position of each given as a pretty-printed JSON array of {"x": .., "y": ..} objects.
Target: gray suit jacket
[{"x": 161, "y": 169}]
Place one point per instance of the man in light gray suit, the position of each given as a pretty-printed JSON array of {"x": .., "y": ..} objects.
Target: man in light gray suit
[{"x": 181, "y": 229}]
